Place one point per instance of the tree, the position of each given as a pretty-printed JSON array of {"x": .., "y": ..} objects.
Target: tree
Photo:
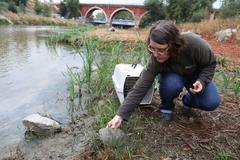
[
  {"x": 156, "y": 9},
  {"x": 123, "y": 15},
  {"x": 3, "y": 6},
  {"x": 18, "y": 2},
  {"x": 12, "y": 7},
  {"x": 100, "y": 15},
  {"x": 42, "y": 9},
  {"x": 188, "y": 10},
  {"x": 230, "y": 8},
  {"x": 22, "y": 4},
  {"x": 72, "y": 8},
  {"x": 62, "y": 9}
]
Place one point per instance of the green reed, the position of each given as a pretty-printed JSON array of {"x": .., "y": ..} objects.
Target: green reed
[
  {"x": 227, "y": 79},
  {"x": 70, "y": 84},
  {"x": 236, "y": 88},
  {"x": 222, "y": 61},
  {"x": 229, "y": 82},
  {"x": 105, "y": 65}
]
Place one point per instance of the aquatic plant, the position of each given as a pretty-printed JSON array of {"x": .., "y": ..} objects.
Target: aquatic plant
[
  {"x": 105, "y": 65},
  {"x": 70, "y": 84},
  {"x": 87, "y": 53},
  {"x": 78, "y": 80},
  {"x": 73, "y": 36}
]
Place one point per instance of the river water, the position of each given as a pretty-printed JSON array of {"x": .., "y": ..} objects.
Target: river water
[{"x": 31, "y": 79}]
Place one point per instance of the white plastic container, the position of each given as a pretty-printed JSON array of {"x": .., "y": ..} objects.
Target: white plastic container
[{"x": 124, "y": 78}]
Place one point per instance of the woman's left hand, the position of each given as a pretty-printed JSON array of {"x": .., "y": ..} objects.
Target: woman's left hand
[{"x": 197, "y": 87}]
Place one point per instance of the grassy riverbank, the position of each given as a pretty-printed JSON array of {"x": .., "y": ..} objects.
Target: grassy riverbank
[
  {"x": 204, "y": 135},
  {"x": 29, "y": 19}
]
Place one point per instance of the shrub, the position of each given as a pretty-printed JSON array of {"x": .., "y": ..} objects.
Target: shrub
[
  {"x": 3, "y": 6},
  {"x": 12, "y": 7},
  {"x": 199, "y": 15},
  {"x": 42, "y": 9},
  {"x": 230, "y": 9}
]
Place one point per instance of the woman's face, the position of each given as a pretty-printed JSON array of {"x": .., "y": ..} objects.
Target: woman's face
[{"x": 159, "y": 51}]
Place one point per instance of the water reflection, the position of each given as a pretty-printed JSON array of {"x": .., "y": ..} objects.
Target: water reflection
[{"x": 31, "y": 79}]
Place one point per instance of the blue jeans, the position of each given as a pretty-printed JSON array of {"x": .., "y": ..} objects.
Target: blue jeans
[{"x": 171, "y": 84}]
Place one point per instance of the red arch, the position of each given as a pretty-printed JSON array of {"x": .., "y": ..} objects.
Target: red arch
[
  {"x": 93, "y": 9},
  {"x": 118, "y": 10},
  {"x": 111, "y": 10}
]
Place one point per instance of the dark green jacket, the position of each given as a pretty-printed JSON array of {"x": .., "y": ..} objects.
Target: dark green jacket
[{"x": 196, "y": 59}]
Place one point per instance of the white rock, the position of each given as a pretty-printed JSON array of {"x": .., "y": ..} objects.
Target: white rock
[
  {"x": 40, "y": 124},
  {"x": 234, "y": 30},
  {"x": 224, "y": 34}
]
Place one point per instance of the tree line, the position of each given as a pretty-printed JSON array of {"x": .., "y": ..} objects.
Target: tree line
[
  {"x": 68, "y": 8},
  {"x": 178, "y": 10},
  {"x": 14, "y": 6},
  {"x": 187, "y": 10}
]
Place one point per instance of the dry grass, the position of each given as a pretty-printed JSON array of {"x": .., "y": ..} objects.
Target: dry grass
[
  {"x": 121, "y": 35},
  {"x": 38, "y": 20},
  {"x": 203, "y": 27},
  {"x": 211, "y": 26}
]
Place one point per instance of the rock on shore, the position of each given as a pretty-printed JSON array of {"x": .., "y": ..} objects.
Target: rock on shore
[{"x": 41, "y": 125}]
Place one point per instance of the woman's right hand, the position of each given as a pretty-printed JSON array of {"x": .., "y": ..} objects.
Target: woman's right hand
[{"x": 115, "y": 122}]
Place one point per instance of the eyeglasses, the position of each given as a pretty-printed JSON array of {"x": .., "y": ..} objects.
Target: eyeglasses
[{"x": 157, "y": 50}]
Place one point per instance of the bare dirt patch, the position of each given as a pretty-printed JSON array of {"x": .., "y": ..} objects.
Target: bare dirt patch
[{"x": 202, "y": 135}]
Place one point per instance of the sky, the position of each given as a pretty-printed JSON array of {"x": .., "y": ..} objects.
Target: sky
[{"x": 217, "y": 4}]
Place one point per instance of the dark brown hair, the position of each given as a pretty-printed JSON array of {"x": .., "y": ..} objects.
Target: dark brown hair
[{"x": 166, "y": 32}]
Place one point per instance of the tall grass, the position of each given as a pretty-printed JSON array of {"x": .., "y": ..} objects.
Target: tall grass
[
  {"x": 105, "y": 65},
  {"x": 139, "y": 53},
  {"x": 211, "y": 26},
  {"x": 88, "y": 56},
  {"x": 38, "y": 20},
  {"x": 71, "y": 87},
  {"x": 72, "y": 37}
]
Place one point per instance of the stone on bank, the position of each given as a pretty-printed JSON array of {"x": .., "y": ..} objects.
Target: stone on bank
[{"x": 41, "y": 125}]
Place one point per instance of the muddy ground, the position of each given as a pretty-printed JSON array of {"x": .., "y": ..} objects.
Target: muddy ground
[
  {"x": 73, "y": 140},
  {"x": 66, "y": 145},
  {"x": 202, "y": 135}
]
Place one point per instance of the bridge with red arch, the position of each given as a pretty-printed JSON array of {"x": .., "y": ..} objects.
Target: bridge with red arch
[{"x": 111, "y": 9}]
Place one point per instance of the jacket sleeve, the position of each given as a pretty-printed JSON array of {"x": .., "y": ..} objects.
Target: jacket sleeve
[
  {"x": 139, "y": 90},
  {"x": 207, "y": 62}
]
